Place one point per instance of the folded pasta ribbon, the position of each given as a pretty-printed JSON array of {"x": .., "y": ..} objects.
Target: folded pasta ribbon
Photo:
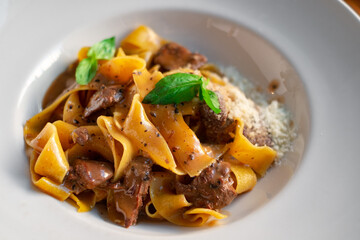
[
  {"x": 73, "y": 110},
  {"x": 64, "y": 131},
  {"x": 121, "y": 147},
  {"x": 49, "y": 165},
  {"x": 35, "y": 124},
  {"x": 85, "y": 201},
  {"x": 51, "y": 162},
  {"x": 186, "y": 147},
  {"x": 143, "y": 42},
  {"x": 258, "y": 158},
  {"x": 174, "y": 207},
  {"x": 145, "y": 136},
  {"x": 245, "y": 178}
]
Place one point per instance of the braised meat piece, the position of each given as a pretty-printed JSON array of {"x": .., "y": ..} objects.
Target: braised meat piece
[
  {"x": 213, "y": 188},
  {"x": 103, "y": 98},
  {"x": 127, "y": 197},
  {"x": 80, "y": 135},
  {"x": 87, "y": 174},
  {"x": 173, "y": 56},
  {"x": 216, "y": 128},
  {"x": 261, "y": 137}
]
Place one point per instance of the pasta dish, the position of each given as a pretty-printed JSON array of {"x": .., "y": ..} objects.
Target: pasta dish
[{"x": 153, "y": 130}]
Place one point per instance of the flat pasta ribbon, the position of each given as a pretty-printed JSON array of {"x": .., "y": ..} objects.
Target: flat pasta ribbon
[
  {"x": 120, "y": 69},
  {"x": 85, "y": 201},
  {"x": 121, "y": 147},
  {"x": 186, "y": 147},
  {"x": 35, "y": 124},
  {"x": 174, "y": 207},
  {"x": 258, "y": 158},
  {"x": 143, "y": 41},
  {"x": 73, "y": 110},
  {"x": 46, "y": 184},
  {"x": 49, "y": 165},
  {"x": 152, "y": 213},
  {"x": 245, "y": 178},
  {"x": 64, "y": 131},
  {"x": 51, "y": 161},
  {"x": 145, "y": 81},
  {"x": 144, "y": 135}
]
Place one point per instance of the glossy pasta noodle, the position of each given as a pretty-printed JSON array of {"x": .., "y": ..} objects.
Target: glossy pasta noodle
[{"x": 98, "y": 142}]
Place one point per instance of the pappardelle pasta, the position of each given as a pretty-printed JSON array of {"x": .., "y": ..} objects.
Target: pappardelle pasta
[{"x": 150, "y": 129}]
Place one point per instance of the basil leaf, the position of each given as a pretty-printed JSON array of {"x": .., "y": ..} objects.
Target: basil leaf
[
  {"x": 104, "y": 49},
  {"x": 175, "y": 88},
  {"x": 86, "y": 70},
  {"x": 210, "y": 98},
  {"x": 182, "y": 87},
  {"x": 204, "y": 84}
]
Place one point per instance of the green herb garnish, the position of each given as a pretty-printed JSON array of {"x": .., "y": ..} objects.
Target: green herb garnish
[
  {"x": 182, "y": 87},
  {"x": 86, "y": 70},
  {"x": 209, "y": 97},
  {"x": 103, "y": 50},
  {"x": 87, "y": 67}
]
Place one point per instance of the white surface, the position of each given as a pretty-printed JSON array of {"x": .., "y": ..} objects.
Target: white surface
[{"x": 320, "y": 39}]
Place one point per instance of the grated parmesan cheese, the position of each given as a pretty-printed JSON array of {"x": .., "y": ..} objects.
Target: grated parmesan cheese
[
  {"x": 280, "y": 127},
  {"x": 248, "y": 104}
]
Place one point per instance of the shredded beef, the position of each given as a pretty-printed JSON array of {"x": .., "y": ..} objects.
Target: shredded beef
[
  {"x": 173, "y": 56},
  {"x": 216, "y": 128},
  {"x": 103, "y": 98},
  {"x": 80, "y": 135},
  {"x": 87, "y": 174},
  {"x": 213, "y": 188},
  {"x": 128, "y": 196}
]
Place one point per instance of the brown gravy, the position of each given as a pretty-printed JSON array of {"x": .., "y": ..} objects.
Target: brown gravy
[
  {"x": 63, "y": 81},
  {"x": 273, "y": 86}
]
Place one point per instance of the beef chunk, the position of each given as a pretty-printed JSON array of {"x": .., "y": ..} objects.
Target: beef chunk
[
  {"x": 261, "y": 137},
  {"x": 213, "y": 188},
  {"x": 216, "y": 127},
  {"x": 128, "y": 196},
  {"x": 103, "y": 98},
  {"x": 87, "y": 174},
  {"x": 80, "y": 135},
  {"x": 172, "y": 56}
]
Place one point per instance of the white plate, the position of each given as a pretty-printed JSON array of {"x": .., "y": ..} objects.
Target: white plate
[{"x": 312, "y": 47}]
